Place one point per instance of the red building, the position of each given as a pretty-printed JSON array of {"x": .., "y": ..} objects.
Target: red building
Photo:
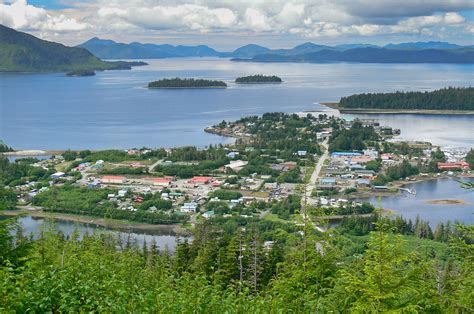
[
  {"x": 461, "y": 165},
  {"x": 202, "y": 180}
]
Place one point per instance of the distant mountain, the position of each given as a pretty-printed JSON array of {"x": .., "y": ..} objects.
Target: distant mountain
[
  {"x": 303, "y": 48},
  {"x": 249, "y": 51},
  {"x": 423, "y": 45},
  {"x": 353, "y": 46},
  {"x": 372, "y": 55},
  {"x": 109, "y": 49},
  {"x": 21, "y": 52}
]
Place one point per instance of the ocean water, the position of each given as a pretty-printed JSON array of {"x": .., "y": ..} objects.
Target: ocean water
[
  {"x": 114, "y": 109},
  {"x": 411, "y": 206}
]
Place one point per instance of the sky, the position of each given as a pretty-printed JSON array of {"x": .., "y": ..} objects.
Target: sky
[{"x": 228, "y": 24}]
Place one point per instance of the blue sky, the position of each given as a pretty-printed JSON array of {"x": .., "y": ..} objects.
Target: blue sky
[{"x": 227, "y": 24}]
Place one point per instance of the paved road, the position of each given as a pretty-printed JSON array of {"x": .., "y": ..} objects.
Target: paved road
[
  {"x": 313, "y": 181},
  {"x": 150, "y": 168}
]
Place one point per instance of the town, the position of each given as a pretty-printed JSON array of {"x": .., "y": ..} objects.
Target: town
[{"x": 278, "y": 164}]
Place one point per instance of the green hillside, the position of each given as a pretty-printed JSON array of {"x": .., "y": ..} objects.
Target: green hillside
[{"x": 21, "y": 52}]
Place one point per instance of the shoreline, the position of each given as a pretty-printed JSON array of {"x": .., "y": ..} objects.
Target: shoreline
[
  {"x": 335, "y": 106},
  {"x": 111, "y": 224},
  {"x": 401, "y": 184}
]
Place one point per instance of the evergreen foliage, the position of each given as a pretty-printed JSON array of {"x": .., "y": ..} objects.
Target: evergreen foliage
[{"x": 452, "y": 98}]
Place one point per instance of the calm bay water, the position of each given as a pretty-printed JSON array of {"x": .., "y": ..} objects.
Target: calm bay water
[
  {"x": 114, "y": 109},
  {"x": 411, "y": 206},
  {"x": 163, "y": 239}
]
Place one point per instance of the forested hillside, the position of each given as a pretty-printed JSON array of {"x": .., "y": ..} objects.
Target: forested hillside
[
  {"x": 21, "y": 52},
  {"x": 229, "y": 268},
  {"x": 444, "y": 99}
]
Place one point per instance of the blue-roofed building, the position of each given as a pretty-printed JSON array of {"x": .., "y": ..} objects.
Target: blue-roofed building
[
  {"x": 363, "y": 182},
  {"x": 328, "y": 181},
  {"x": 345, "y": 154}
]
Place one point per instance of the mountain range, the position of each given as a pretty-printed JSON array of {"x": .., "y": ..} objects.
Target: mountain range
[
  {"x": 413, "y": 52},
  {"x": 22, "y": 52}
]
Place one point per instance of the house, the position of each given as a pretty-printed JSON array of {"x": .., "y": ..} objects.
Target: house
[
  {"x": 216, "y": 184},
  {"x": 370, "y": 152},
  {"x": 200, "y": 180},
  {"x": 189, "y": 207},
  {"x": 327, "y": 181},
  {"x": 236, "y": 165},
  {"x": 161, "y": 182},
  {"x": 269, "y": 186},
  {"x": 208, "y": 214},
  {"x": 290, "y": 165},
  {"x": 122, "y": 193},
  {"x": 361, "y": 159},
  {"x": 364, "y": 173},
  {"x": 461, "y": 165},
  {"x": 302, "y": 153},
  {"x": 58, "y": 175},
  {"x": 387, "y": 156},
  {"x": 232, "y": 154},
  {"x": 363, "y": 183},
  {"x": 113, "y": 179}
]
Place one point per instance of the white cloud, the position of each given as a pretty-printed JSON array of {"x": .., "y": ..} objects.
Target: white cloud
[
  {"x": 20, "y": 15},
  {"x": 308, "y": 18}
]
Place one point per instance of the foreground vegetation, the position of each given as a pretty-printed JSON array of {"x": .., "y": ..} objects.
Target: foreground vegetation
[
  {"x": 227, "y": 269},
  {"x": 186, "y": 83},
  {"x": 443, "y": 99}
]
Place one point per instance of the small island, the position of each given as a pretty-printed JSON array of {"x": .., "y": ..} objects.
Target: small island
[
  {"x": 258, "y": 79},
  {"x": 186, "y": 83},
  {"x": 79, "y": 73}
]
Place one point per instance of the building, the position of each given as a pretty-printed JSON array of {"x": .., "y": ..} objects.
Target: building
[
  {"x": 328, "y": 181},
  {"x": 236, "y": 165},
  {"x": 363, "y": 183},
  {"x": 114, "y": 179},
  {"x": 364, "y": 173},
  {"x": 461, "y": 165},
  {"x": 361, "y": 159},
  {"x": 200, "y": 180},
  {"x": 345, "y": 154},
  {"x": 189, "y": 207},
  {"x": 161, "y": 182},
  {"x": 58, "y": 175},
  {"x": 208, "y": 214}
]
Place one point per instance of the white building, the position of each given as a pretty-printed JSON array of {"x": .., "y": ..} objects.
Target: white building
[{"x": 189, "y": 207}]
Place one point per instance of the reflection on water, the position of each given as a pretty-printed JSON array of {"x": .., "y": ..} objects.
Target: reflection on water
[
  {"x": 410, "y": 206},
  {"x": 163, "y": 238}
]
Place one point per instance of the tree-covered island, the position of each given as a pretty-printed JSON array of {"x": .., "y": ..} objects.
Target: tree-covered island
[
  {"x": 258, "y": 79},
  {"x": 186, "y": 83},
  {"x": 443, "y": 99},
  {"x": 81, "y": 73}
]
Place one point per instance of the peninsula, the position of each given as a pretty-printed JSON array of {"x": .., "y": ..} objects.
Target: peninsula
[
  {"x": 443, "y": 101},
  {"x": 186, "y": 83},
  {"x": 258, "y": 79}
]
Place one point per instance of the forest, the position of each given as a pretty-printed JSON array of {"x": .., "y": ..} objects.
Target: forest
[
  {"x": 452, "y": 98},
  {"x": 186, "y": 83},
  {"x": 259, "y": 78},
  {"x": 231, "y": 267},
  {"x": 352, "y": 139}
]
